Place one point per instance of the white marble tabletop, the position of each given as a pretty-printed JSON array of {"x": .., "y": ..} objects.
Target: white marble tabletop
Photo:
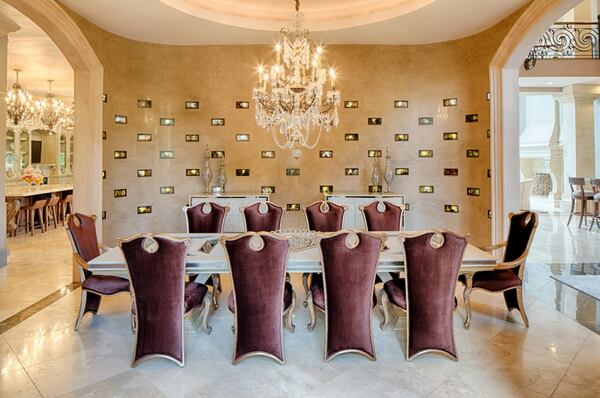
[{"x": 307, "y": 260}]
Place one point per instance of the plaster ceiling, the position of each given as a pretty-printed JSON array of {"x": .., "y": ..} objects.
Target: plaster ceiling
[
  {"x": 256, "y": 21},
  {"x": 31, "y": 50}
]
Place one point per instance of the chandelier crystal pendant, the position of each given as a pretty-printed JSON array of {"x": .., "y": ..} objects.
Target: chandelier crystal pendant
[
  {"x": 296, "y": 98},
  {"x": 19, "y": 103},
  {"x": 52, "y": 111}
]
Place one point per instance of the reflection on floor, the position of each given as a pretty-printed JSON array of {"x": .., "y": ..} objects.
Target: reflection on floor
[{"x": 556, "y": 356}]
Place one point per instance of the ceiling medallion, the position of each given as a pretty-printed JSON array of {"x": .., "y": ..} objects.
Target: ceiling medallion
[
  {"x": 292, "y": 93},
  {"x": 19, "y": 103}
]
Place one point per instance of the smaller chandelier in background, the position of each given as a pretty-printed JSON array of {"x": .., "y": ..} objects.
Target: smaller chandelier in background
[
  {"x": 19, "y": 103},
  {"x": 293, "y": 94},
  {"x": 51, "y": 111}
]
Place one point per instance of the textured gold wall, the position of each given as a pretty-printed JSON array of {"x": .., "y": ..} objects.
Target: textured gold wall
[{"x": 218, "y": 76}]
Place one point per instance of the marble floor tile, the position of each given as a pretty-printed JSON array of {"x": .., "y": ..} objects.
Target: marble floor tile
[
  {"x": 578, "y": 382},
  {"x": 128, "y": 384},
  {"x": 18, "y": 384}
]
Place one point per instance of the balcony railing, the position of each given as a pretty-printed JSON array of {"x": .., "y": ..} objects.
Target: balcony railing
[{"x": 574, "y": 40}]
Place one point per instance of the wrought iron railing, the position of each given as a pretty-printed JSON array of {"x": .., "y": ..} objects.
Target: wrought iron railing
[{"x": 567, "y": 40}]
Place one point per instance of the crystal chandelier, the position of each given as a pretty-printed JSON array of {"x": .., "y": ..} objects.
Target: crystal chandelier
[
  {"x": 51, "y": 111},
  {"x": 19, "y": 103},
  {"x": 293, "y": 94}
]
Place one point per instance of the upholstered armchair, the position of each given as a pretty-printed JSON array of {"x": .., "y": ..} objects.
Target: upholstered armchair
[
  {"x": 262, "y": 216},
  {"x": 207, "y": 217},
  {"x": 322, "y": 216},
  {"x": 382, "y": 216},
  {"x": 261, "y": 295},
  {"x": 349, "y": 263},
  {"x": 161, "y": 297},
  {"x": 432, "y": 263},
  {"x": 81, "y": 230},
  {"x": 508, "y": 275}
]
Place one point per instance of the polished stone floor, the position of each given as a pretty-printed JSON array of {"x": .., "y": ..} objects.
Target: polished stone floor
[{"x": 557, "y": 356}]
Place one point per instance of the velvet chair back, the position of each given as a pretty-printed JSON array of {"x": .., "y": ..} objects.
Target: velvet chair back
[
  {"x": 431, "y": 275},
  {"x": 349, "y": 268},
  {"x": 156, "y": 266},
  {"x": 82, "y": 233},
  {"x": 263, "y": 216},
  {"x": 520, "y": 234},
  {"x": 324, "y": 216},
  {"x": 388, "y": 219},
  {"x": 257, "y": 262},
  {"x": 205, "y": 217}
]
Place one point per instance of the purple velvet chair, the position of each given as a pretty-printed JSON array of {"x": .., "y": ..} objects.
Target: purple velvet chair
[
  {"x": 261, "y": 294},
  {"x": 207, "y": 217},
  {"x": 432, "y": 264},
  {"x": 322, "y": 216},
  {"x": 349, "y": 261},
  {"x": 382, "y": 216},
  {"x": 161, "y": 297},
  {"x": 508, "y": 275},
  {"x": 262, "y": 216},
  {"x": 81, "y": 230}
]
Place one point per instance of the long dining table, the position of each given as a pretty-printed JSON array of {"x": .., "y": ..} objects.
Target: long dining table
[{"x": 207, "y": 256}]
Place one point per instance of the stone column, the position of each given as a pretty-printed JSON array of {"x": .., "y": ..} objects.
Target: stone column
[
  {"x": 577, "y": 132},
  {"x": 6, "y": 26},
  {"x": 555, "y": 164}
]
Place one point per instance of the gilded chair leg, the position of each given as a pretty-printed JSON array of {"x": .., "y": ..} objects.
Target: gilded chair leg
[
  {"x": 467, "y": 298},
  {"x": 305, "y": 285},
  {"x": 290, "y": 314},
  {"x": 311, "y": 311},
  {"x": 133, "y": 323},
  {"x": 571, "y": 212},
  {"x": 205, "y": 310},
  {"x": 522, "y": 307},
  {"x": 82, "y": 305},
  {"x": 216, "y": 280},
  {"x": 383, "y": 306}
]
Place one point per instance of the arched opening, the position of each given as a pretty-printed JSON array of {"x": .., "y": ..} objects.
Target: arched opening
[
  {"x": 88, "y": 77},
  {"x": 504, "y": 83}
]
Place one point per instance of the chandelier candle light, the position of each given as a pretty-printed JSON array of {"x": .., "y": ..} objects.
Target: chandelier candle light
[
  {"x": 19, "y": 103},
  {"x": 51, "y": 110},
  {"x": 292, "y": 93}
]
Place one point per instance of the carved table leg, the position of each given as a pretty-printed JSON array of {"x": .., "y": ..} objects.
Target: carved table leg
[
  {"x": 216, "y": 288},
  {"x": 467, "y": 298}
]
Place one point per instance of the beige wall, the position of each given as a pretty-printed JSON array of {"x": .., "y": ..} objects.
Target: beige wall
[{"x": 217, "y": 76}]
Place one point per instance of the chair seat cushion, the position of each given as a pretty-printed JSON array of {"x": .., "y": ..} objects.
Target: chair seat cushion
[
  {"x": 288, "y": 293},
  {"x": 318, "y": 292},
  {"x": 105, "y": 284},
  {"x": 586, "y": 194},
  {"x": 396, "y": 292},
  {"x": 194, "y": 294},
  {"x": 494, "y": 281}
]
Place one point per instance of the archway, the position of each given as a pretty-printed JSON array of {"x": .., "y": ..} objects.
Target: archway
[
  {"x": 504, "y": 84},
  {"x": 87, "y": 173}
]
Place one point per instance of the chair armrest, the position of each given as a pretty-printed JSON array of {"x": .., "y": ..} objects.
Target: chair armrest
[
  {"x": 80, "y": 261},
  {"x": 511, "y": 264},
  {"x": 491, "y": 248}
]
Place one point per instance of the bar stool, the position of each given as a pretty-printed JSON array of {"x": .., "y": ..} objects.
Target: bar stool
[
  {"x": 52, "y": 207},
  {"x": 30, "y": 212},
  {"x": 66, "y": 202},
  {"x": 578, "y": 192},
  {"x": 595, "y": 183}
]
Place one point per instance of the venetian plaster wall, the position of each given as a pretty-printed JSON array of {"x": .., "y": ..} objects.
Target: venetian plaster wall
[{"x": 218, "y": 76}]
